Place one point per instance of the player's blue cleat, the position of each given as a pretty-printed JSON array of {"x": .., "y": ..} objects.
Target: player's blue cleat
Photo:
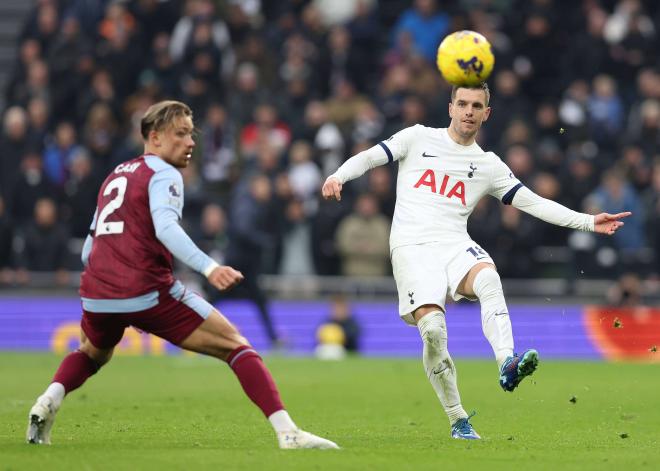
[
  {"x": 463, "y": 430},
  {"x": 516, "y": 368}
]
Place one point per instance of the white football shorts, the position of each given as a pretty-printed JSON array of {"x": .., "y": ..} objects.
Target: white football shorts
[{"x": 428, "y": 273}]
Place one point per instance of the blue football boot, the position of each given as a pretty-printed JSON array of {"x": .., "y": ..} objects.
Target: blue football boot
[
  {"x": 463, "y": 430},
  {"x": 516, "y": 368}
]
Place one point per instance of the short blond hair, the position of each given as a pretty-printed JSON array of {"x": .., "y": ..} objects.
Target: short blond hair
[{"x": 161, "y": 115}]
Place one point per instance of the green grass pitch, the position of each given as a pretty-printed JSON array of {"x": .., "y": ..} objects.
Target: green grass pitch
[{"x": 188, "y": 413}]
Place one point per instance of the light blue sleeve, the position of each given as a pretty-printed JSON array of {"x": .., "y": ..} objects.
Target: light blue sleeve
[
  {"x": 89, "y": 241},
  {"x": 166, "y": 205}
]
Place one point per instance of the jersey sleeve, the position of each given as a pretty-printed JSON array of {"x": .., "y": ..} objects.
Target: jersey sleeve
[
  {"x": 551, "y": 211},
  {"x": 503, "y": 185},
  {"x": 396, "y": 146},
  {"x": 166, "y": 192},
  {"x": 166, "y": 206},
  {"x": 387, "y": 151},
  {"x": 89, "y": 240}
]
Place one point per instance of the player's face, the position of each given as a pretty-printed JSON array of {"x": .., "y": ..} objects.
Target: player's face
[
  {"x": 467, "y": 112},
  {"x": 175, "y": 143}
]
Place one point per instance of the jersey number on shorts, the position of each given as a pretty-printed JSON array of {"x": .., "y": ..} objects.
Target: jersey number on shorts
[
  {"x": 114, "y": 227},
  {"x": 478, "y": 252}
]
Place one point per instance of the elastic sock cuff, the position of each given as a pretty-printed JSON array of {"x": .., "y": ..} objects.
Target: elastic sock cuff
[{"x": 242, "y": 352}]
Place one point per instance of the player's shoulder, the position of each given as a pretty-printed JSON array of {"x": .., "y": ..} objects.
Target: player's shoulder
[
  {"x": 161, "y": 169},
  {"x": 493, "y": 158}
]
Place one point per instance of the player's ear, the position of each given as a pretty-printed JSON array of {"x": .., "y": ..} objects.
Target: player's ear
[
  {"x": 451, "y": 109},
  {"x": 154, "y": 136},
  {"x": 487, "y": 113}
]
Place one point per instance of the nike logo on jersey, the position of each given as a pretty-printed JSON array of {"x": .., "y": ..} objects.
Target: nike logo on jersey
[{"x": 424, "y": 154}]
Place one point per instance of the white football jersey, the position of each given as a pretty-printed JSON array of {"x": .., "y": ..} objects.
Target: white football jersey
[{"x": 439, "y": 184}]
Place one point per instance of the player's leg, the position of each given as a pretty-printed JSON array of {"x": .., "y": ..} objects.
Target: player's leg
[
  {"x": 190, "y": 322},
  {"x": 73, "y": 371},
  {"x": 483, "y": 281},
  {"x": 422, "y": 286},
  {"x": 440, "y": 369}
]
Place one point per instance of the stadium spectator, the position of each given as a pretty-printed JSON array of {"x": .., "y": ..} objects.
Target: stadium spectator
[
  {"x": 39, "y": 122},
  {"x": 59, "y": 153},
  {"x": 217, "y": 152},
  {"x": 652, "y": 209},
  {"x": 62, "y": 59},
  {"x": 80, "y": 190},
  {"x": 202, "y": 12},
  {"x": 304, "y": 176},
  {"x": 14, "y": 143},
  {"x": 296, "y": 256},
  {"x": 6, "y": 242},
  {"x": 340, "y": 314},
  {"x": 212, "y": 235},
  {"x": 324, "y": 135},
  {"x": 30, "y": 186},
  {"x": 253, "y": 236},
  {"x": 266, "y": 129},
  {"x": 45, "y": 242},
  {"x": 29, "y": 51},
  {"x": 426, "y": 25},
  {"x": 363, "y": 240},
  {"x": 613, "y": 194}
]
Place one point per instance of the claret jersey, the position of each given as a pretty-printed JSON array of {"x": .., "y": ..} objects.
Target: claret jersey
[
  {"x": 127, "y": 259},
  {"x": 439, "y": 184}
]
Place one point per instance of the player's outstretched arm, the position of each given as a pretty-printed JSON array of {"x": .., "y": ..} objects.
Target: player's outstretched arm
[
  {"x": 356, "y": 166},
  {"x": 605, "y": 223},
  {"x": 224, "y": 277},
  {"x": 332, "y": 188}
]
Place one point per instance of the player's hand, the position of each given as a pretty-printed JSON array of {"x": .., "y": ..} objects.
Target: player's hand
[
  {"x": 332, "y": 189},
  {"x": 225, "y": 277},
  {"x": 605, "y": 223}
]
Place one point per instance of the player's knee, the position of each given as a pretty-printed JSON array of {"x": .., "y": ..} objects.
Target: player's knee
[
  {"x": 433, "y": 330},
  {"x": 487, "y": 284},
  {"x": 97, "y": 355}
]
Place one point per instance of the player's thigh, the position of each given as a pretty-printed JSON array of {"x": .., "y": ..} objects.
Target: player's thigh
[
  {"x": 184, "y": 318},
  {"x": 216, "y": 336},
  {"x": 467, "y": 259},
  {"x": 421, "y": 280},
  {"x": 99, "y": 333}
]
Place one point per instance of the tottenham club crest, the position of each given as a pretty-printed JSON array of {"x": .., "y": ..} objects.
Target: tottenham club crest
[
  {"x": 472, "y": 170},
  {"x": 410, "y": 295}
]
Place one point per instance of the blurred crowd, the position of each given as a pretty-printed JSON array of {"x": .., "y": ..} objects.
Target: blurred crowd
[{"x": 284, "y": 91}]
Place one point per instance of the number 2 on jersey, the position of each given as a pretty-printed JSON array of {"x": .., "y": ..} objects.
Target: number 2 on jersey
[{"x": 113, "y": 227}]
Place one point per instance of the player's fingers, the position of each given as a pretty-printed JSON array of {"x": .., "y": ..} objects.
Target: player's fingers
[
  {"x": 618, "y": 215},
  {"x": 327, "y": 191},
  {"x": 337, "y": 191}
]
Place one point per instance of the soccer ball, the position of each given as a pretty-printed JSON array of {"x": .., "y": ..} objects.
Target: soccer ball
[{"x": 465, "y": 58}]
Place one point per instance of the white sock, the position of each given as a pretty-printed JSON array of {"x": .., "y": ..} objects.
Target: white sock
[
  {"x": 281, "y": 421},
  {"x": 56, "y": 393},
  {"x": 495, "y": 320},
  {"x": 439, "y": 367}
]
